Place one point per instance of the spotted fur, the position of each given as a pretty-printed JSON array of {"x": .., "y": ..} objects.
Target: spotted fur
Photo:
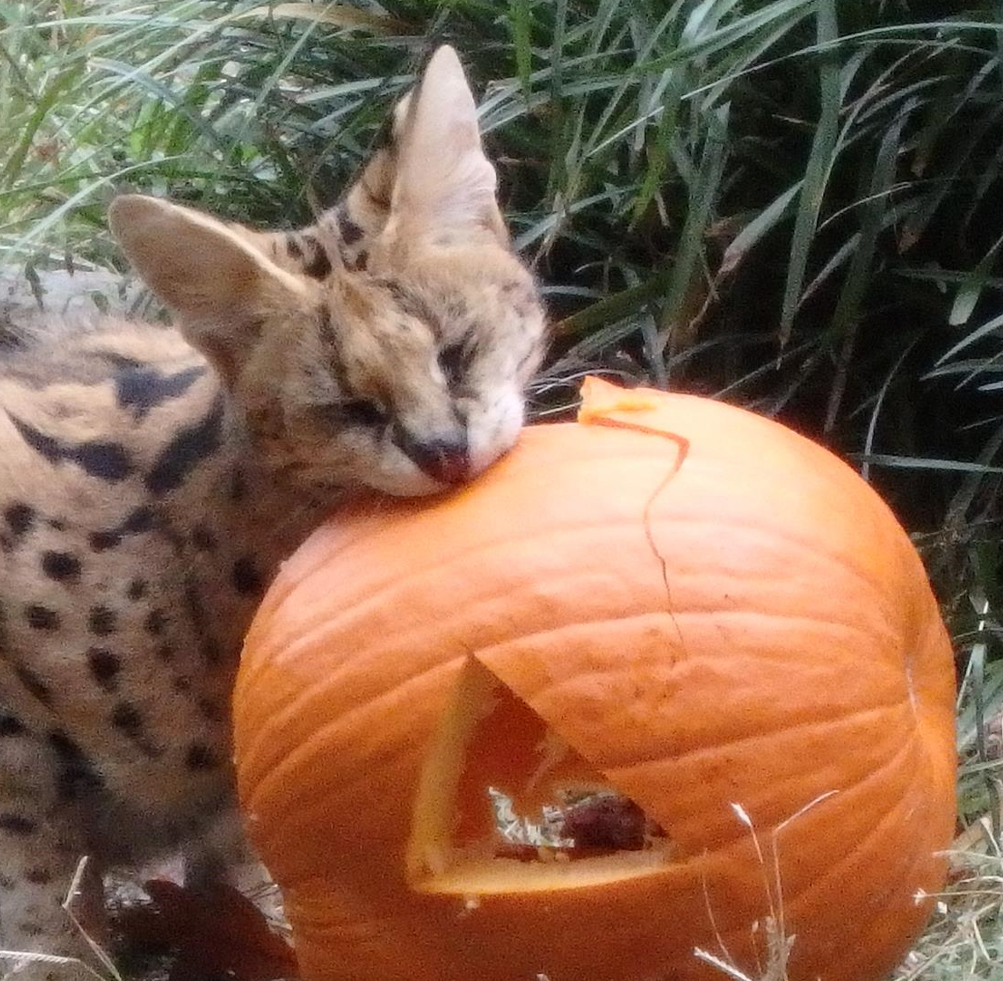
[{"x": 154, "y": 478}]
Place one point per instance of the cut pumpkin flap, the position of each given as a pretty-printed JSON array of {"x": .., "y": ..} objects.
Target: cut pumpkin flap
[{"x": 600, "y": 399}]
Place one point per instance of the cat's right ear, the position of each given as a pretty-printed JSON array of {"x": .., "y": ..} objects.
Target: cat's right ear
[
  {"x": 444, "y": 183},
  {"x": 221, "y": 286}
]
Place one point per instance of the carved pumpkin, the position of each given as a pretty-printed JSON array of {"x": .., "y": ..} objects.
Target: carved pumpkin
[{"x": 693, "y": 647}]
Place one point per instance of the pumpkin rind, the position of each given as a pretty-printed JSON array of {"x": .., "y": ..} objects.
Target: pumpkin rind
[{"x": 710, "y": 609}]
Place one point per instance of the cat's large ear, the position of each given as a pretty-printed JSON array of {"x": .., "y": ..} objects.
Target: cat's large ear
[
  {"x": 222, "y": 287},
  {"x": 444, "y": 183}
]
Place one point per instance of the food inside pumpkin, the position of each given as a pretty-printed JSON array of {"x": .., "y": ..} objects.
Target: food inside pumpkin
[{"x": 504, "y": 803}]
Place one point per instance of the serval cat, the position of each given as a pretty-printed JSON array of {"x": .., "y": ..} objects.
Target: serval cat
[{"x": 154, "y": 478}]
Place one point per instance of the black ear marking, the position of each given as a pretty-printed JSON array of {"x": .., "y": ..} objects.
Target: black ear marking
[
  {"x": 318, "y": 265},
  {"x": 349, "y": 231}
]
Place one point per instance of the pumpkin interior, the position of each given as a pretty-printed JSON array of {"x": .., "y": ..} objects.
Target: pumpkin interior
[{"x": 492, "y": 747}]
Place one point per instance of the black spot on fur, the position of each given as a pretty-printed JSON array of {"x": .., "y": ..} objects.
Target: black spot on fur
[
  {"x": 38, "y": 876},
  {"x": 126, "y": 717},
  {"x": 102, "y": 621},
  {"x": 210, "y": 709},
  {"x": 33, "y": 684},
  {"x": 318, "y": 266},
  {"x": 165, "y": 652},
  {"x": 143, "y": 388},
  {"x": 41, "y": 617},
  {"x": 361, "y": 261},
  {"x": 77, "y": 774},
  {"x": 186, "y": 451},
  {"x": 203, "y": 539},
  {"x": 61, "y": 566},
  {"x": 196, "y": 608},
  {"x": 208, "y": 646},
  {"x": 155, "y": 622},
  {"x": 327, "y": 327},
  {"x": 246, "y": 578},
  {"x": 200, "y": 757},
  {"x": 46, "y": 445},
  {"x": 17, "y": 824},
  {"x": 293, "y": 246},
  {"x": 10, "y": 725},
  {"x": 142, "y": 519},
  {"x": 349, "y": 231},
  {"x": 104, "y": 666},
  {"x": 106, "y": 461},
  {"x": 19, "y": 518},
  {"x": 137, "y": 589},
  {"x": 129, "y": 720},
  {"x": 210, "y": 650},
  {"x": 101, "y": 541},
  {"x": 238, "y": 488}
]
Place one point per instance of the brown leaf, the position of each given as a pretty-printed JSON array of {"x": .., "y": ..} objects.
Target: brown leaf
[{"x": 216, "y": 931}]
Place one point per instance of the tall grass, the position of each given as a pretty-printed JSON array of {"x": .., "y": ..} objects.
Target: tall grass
[{"x": 796, "y": 204}]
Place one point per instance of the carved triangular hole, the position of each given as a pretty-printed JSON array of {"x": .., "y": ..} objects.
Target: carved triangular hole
[{"x": 504, "y": 804}]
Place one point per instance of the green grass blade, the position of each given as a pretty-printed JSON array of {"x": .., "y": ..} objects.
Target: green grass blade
[
  {"x": 42, "y": 107},
  {"x": 520, "y": 22},
  {"x": 817, "y": 169},
  {"x": 991, "y": 326},
  {"x": 846, "y": 317},
  {"x": 703, "y": 195}
]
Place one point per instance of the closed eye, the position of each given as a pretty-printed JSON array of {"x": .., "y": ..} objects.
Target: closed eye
[
  {"x": 364, "y": 412},
  {"x": 454, "y": 361},
  {"x": 354, "y": 412}
]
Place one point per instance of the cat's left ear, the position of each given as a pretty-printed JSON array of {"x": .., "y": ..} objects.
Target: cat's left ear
[
  {"x": 445, "y": 185},
  {"x": 222, "y": 286}
]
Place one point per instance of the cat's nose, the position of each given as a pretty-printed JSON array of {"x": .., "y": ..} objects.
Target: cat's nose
[{"x": 446, "y": 461}]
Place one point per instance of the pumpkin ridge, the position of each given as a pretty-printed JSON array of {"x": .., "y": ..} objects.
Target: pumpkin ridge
[
  {"x": 466, "y": 554},
  {"x": 277, "y": 772},
  {"x": 772, "y": 533},
  {"x": 459, "y": 557},
  {"x": 784, "y": 727},
  {"x": 792, "y": 897},
  {"x": 862, "y": 844},
  {"x": 310, "y": 638}
]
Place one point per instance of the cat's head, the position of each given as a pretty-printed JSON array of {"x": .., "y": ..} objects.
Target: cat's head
[{"x": 386, "y": 346}]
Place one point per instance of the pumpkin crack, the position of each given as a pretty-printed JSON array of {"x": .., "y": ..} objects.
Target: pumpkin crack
[
  {"x": 592, "y": 415},
  {"x": 649, "y": 534}
]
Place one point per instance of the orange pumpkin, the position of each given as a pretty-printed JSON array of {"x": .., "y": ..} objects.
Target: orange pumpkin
[{"x": 699, "y": 640}]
